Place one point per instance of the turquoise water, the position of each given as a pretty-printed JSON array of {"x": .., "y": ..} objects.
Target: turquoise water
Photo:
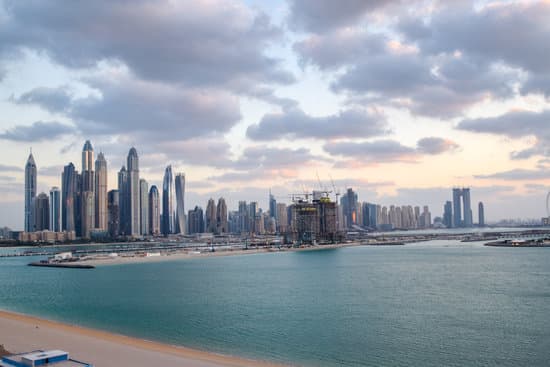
[{"x": 438, "y": 303}]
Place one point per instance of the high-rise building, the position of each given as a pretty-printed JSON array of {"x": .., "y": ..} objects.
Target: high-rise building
[
  {"x": 69, "y": 190},
  {"x": 101, "y": 211},
  {"x": 481, "y": 214},
  {"x": 350, "y": 208},
  {"x": 88, "y": 178},
  {"x": 167, "y": 224},
  {"x": 87, "y": 210},
  {"x": 113, "y": 208},
  {"x": 468, "y": 221},
  {"x": 154, "y": 211},
  {"x": 272, "y": 206},
  {"x": 282, "y": 218},
  {"x": 457, "y": 208},
  {"x": 243, "y": 217},
  {"x": 196, "y": 220},
  {"x": 221, "y": 216},
  {"x": 134, "y": 192},
  {"x": 425, "y": 218},
  {"x": 252, "y": 213},
  {"x": 462, "y": 214},
  {"x": 448, "y": 214},
  {"x": 180, "y": 203},
  {"x": 30, "y": 192},
  {"x": 55, "y": 209},
  {"x": 87, "y": 196},
  {"x": 124, "y": 202},
  {"x": 210, "y": 216},
  {"x": 41, "y": 206},
  {"x": 144, "y": 207}
]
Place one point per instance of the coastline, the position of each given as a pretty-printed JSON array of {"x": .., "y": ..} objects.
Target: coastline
[{"x": 21, "y": 333}]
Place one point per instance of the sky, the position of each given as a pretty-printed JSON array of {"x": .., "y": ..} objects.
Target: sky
[{"x": 400, "y": 100}]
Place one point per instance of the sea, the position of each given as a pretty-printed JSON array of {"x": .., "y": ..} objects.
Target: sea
[{"x": 435, "y": 303}]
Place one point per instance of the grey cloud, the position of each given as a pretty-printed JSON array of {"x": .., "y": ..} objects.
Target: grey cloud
[
  {"x": 294, "y": 123},
  {"x": 196, "y": 43},
  {"x": 435, "y": 145},
  {"x": 377, "y": 151},
  {"x": 274, "y": 158},
  {"x": 51, "y": 99},
  {"x": 38, "y": 131},
  {"x": 7, "y": 178},
  {"x": 7, "y": 168},
  {"x": 385, "y": 151},
  {"x": 320, "y": 15},
  {"x": 214, "y": 152},
  {"x": 52, "y": 171},
  {"x": 519, "y": 174}
]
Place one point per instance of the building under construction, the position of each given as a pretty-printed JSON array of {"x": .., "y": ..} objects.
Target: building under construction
[{"x": 314, "y": 221}]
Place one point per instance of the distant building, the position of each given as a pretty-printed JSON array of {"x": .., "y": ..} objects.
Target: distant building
[
  {"x": 180, "y": 203},
  {"x": 221, "y": 217},
  {"x": 69, "y": 188},
  {"x": 243, "y": 221},
  {"x": 144, "y": 207},
  {"x": 87, "y": 196},
  {"x": 210, "y": 217},
  {"x": 282, "y": 218},
  {"x": 101, "y": 210},
  {"x": 481, "y": 214},
  {"x": 167, "y": 223},
  {"x": 195, "y": 219},
  {"x": 124, "y": 202},
  {"x": 448, "y": 214},
  {"x": 272, "y": 206},
  {"x": 113, "y": 209},
  {"x": 350, "y": 208},
  {"x": 154, "y": 211},
  {"x": 41, "y": 215},
  {"x": 55, "y": 209},
  {"x": 133, "y": 193},
  {"x": 462, "y": 212},
  {"x": 30, "y": 192}
]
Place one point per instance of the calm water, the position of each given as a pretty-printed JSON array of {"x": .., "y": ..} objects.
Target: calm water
[{"x": 430, "y": 304}]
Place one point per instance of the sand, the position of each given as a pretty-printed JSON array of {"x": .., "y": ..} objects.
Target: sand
[{"x": 21, "y": 333}]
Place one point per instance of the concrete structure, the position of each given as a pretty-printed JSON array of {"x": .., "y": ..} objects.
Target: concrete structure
[
  {"x": 282, "y": 218},
  {"x": 41, "y": 212},
  {"x": 30, "y": 192},
  {"x": 180, "y": 203},
  {"x": 448, "y": 214},
  {"x": 101, "y": 210},
  {"x": 195, "y": 219},
  {"x": 350, "y": 208},
  {"x": 154, "y": 211},
  {"x": 133, "y": 193},
  {"x": 462, "y": 214},
  {"x": 55, "y": 209},
  {"x": 42, "y": 358},
  {"x": 124, "y": 202},
  {"x": 167, "y": 223},
  {"x": 481, "y": 214},
  {"x": 221, "y": 217},
  {"x": 144, "y": 207},
  {"x": 69, "y": 190},
  {"x": 87, "y": 206},
  {"x": 87, "y": 196},
  {"x": 113, "y": 208},
  {"x": 210, "y": 217},
  {"x": 46, "y": 236}
]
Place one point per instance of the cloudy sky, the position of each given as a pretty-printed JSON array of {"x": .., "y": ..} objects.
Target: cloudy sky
[{"x": 400, "y": 100}]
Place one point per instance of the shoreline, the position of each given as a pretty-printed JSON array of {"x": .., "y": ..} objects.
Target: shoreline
[{"x": 23, "y": 333}]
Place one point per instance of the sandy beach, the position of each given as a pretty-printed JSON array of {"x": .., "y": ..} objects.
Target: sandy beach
[{"x": 21, "y": 333}]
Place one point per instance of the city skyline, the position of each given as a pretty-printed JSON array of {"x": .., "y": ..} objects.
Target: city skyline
[{"x": 397, "y": 100}]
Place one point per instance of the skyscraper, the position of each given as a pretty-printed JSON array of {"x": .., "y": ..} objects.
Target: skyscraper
[
  {"x": 113, "y": 208},
  {"x": 101, "y": 211},
  {"x": 282, "y": 218},
  {"x": 55, "y": 209},
  {"x": 144, "y": 207},
  {"x": 196, "y": 220},
  {"x": 481, "y": 214},
  {"x": 349, "y": 207},
  {"x": 180, "y": 203},
  {"x": 168, "y": 202},
  {"x": 221, "y": 216},
  {"x": 211, "y": 223},
  {"x": 154, "y": 211},
  {"x": 457, "y": 209},
  {"x": 41, "y": 207},
  {"x": 468, "y": 221},
  {"x": 448, "y": 214},
  {"x": 87, "y": 197},
  {"x": 30, "y": 192},
  {"x": 134, "y": 192},
  {"x": 124, "y": 202},
  {"x": 243, "y": 217},
  {"x": 68, "y": 198},
  {"x": 272, "y": 206}
]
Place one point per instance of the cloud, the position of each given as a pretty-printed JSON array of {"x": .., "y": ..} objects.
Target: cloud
[
  {"x": 51, "y": 171},
  {"x": 519, "y": 174},
  {"x": 321, "y": 15},
  {"x": 51, "y": 99},
  {"x": 516, "y": 124},
  {"x": 435, "y": 145},
  {"x": 385, "y": 151},
  {"x": 7, "y": 168},
  {"x": 215, "y": 42},
  {"x": 38, "y": 131},
  {"x": 294, "y": 123}
]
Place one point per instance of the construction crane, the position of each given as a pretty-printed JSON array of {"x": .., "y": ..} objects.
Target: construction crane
[{"x": 336, "y": 192}]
